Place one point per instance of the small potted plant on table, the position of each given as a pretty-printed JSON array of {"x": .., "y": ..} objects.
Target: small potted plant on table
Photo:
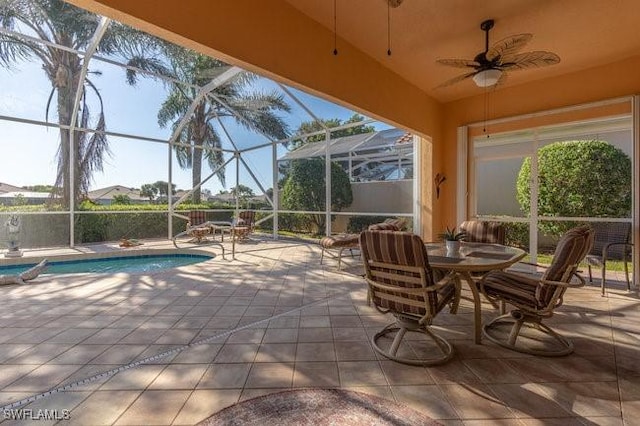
[{"x": 452, "y": 239}]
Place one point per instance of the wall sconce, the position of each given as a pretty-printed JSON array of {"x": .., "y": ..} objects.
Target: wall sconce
[{"x": 439, "y": 179}]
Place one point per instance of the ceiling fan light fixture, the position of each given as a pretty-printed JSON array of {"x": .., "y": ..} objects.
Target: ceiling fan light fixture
[{"x": 487, "y": 78}]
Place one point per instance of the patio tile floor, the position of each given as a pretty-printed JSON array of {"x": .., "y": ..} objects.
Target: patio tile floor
[{"x": 221, "y": 331}]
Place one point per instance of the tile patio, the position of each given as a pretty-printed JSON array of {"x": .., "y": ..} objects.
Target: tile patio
[{"x": 275, "y": 319}]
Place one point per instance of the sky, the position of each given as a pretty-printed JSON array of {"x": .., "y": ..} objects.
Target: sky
[{"x": 29, "y": 151}]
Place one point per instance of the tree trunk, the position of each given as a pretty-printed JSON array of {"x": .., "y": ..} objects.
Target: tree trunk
[
  {"x": 66, "y": 82},
  {"x": 200, "y": 123},
  {"x": 196, "y": 172}
]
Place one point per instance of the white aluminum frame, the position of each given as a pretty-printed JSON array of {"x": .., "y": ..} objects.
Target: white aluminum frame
[{"x": 205, "y": 91}]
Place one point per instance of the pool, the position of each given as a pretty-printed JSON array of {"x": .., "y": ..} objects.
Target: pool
[{"x": 142, "y": 263}]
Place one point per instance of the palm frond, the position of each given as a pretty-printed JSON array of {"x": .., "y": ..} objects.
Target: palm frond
[
  {"x": 150, "y": 64},
  {"x": 173, "y": 108}
]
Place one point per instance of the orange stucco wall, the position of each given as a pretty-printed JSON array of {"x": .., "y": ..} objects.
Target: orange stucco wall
[{"x": 276, "y": 40}]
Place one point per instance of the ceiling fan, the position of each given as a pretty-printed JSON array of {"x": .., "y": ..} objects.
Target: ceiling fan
[{"x": 490, "y": 67}]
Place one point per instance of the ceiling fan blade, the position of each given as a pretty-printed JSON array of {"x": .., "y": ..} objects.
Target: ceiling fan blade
[
  {"x": 523, "y": 61},
  {"x": 458, "y": 63},
  {"x": 508, "y": 46},
  {"x": 456, "y": 79}
]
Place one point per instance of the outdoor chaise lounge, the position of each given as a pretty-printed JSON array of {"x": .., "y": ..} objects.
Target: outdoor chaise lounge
[{"x": 342, "y": 242}]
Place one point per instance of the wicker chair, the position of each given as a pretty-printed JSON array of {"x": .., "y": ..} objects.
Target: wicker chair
[
  {"x": 402, "y": 282},
  {"x": 477, "y": 231},
  {"x": 536, "y": 299},
  {"x": 612, "y": 242}
]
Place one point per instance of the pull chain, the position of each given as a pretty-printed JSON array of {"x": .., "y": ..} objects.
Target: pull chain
[
  {"x": 486, "y": 111},
  {"x": 388, "y": 28},
  {"x": 335, "y": 27}
]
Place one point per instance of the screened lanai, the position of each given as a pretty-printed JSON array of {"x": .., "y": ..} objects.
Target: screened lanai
[{"x": 111, "y": 133}]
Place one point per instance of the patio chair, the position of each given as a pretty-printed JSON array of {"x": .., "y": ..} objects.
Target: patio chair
[
  {"x": 477, "y": 231},
  {"x": 244, "y": 225},
  {"x": 402, "y": 283},
  {"x": 612, "y": 242},
  {"x": 196, "y": 225},
  {"x": 536, "y": 299}
]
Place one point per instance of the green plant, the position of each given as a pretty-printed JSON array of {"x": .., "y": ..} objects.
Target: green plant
[
  {"x": 577, "y": 179},
  {"x": 122, "y": 199},
  {"x": 304, "y": 189},
  {"x": 451, "y": 235}
]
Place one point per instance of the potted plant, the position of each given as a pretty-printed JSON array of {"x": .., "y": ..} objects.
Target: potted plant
[{"x": 452, "y": 239}]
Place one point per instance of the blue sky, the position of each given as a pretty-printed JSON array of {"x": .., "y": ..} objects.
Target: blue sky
[{"x": 28, "y": 152}]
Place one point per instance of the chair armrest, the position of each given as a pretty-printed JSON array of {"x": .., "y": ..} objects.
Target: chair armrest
[
  {"x": 442, "y": 282},
  {"x": 606, "y": 247},
  {"x": 581, "y": 282}
]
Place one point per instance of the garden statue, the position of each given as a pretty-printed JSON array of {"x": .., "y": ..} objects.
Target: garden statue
[
  {"x": 13, "y": 225},
  {"x": 28, "y": 275}
]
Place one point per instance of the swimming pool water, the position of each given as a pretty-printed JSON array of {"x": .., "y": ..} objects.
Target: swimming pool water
[{"x": 144, "y": 263}]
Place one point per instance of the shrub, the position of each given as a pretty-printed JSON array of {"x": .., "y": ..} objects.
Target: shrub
[{"x": 577, "y": 179}]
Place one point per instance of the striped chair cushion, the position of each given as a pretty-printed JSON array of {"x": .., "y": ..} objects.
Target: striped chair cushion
[
  {"x": 570, "y": 251},
  {"x": 483, "y": 232},
  {"x": 382, "y": 226},
  {"x": 407, "y": 249},
  {"x": 341, "y": 240},
  {"x": 246, "y": 218},
  {"x": 512, "y": 288},
  {"x": 197, "y": 217},
  {"x": 528, "y": 291},
  {"x": 397, "y": 224}
]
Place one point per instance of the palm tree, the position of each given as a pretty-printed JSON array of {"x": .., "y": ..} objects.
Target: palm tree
[
  {"x": 54, "y": 21},
  {"x": 258, "y": 111}
]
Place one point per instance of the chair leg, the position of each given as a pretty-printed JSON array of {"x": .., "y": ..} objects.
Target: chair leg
[
  {"x": 626, "y": 273},
  {"x": 398, "y": 330},
  {"x": 516, "y": 321},
  {"x": 590, "y": 277},
  {"x": 322, "y": 255},
  {"x": 604, "y": 274},
  {"x": 340, "y": 258}
]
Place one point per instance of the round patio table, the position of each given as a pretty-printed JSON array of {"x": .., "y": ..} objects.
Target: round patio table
[{"x": 473, "y": 258}]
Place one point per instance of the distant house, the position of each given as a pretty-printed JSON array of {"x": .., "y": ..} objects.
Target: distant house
[
  {"x": 222, "y": 198},
  {"x": 23, "y": 197},
  {"x": 366, "y": 157},
  {"x": 11, "y": 195},
  {"x": 5, "y": 187},
  {"x": 105, "y": 196}
]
